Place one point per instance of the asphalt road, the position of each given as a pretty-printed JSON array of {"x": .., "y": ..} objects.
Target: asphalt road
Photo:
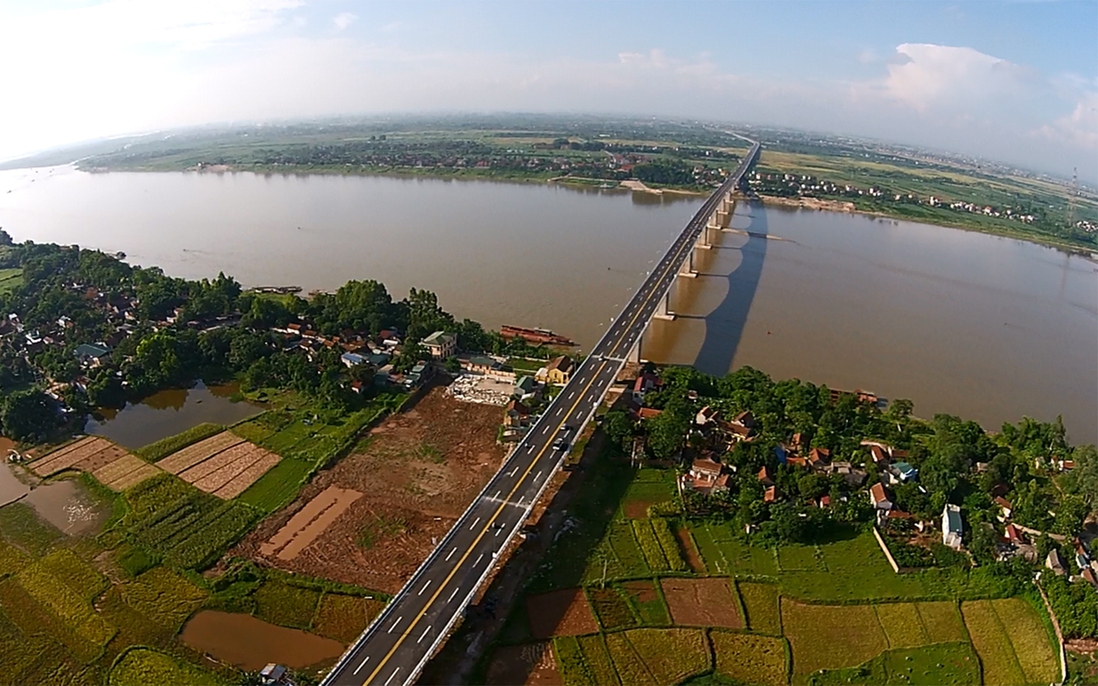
[{"x": 401, "y": 640}]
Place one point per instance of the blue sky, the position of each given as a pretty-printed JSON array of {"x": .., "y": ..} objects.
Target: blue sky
[{"x": 1014, "y": 81}]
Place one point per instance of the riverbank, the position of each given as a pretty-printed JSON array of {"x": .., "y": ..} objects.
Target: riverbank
[{"x": 828, "y": 205}]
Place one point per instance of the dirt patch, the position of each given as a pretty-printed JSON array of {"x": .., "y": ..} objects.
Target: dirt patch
[
  {"x": 637, "y": 509},
  {"x": 560, "y": 613},
  {"x": 641, "y": 591},
  {"x": 530, "y": 665},
  {"x": 422, "y": 470},
  {"x": 686, "y": 544},
  {"x": 309, "y": 523},
  {"x": 701, "y": 602}
]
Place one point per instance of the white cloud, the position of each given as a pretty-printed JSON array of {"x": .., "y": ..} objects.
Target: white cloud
[
  {"x": 926, "y": 75},
  {"x": 343, "y": 20},
  {"x": 1078, "y": 128}
]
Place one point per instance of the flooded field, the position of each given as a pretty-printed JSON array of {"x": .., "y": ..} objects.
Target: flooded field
[
  {"x": 167, "y": 413},
  {"x": 251, "y": 643},
  {"x": 66, "y": 504}
]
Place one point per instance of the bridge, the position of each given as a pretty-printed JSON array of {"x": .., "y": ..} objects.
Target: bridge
[{"x": 399, "y": 642}]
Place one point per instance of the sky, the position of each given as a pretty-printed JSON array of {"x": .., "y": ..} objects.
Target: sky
[{"x": 1010, "y": 81}]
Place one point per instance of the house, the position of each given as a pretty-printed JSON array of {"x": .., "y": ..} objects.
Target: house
[
  {"x": 902, "y": 472},
  {"x": 796, "y": 443},
  {"x": 420, "y": 374},
  {"x": 878, "y": 496},
  {"x": 1005, "y": 508},
  {"x": 706, "y": 415},
  {"x": 515, "y": 414},
  {"x": 352, "y": 359},
  {"x": 272, "y": 674},
  {"x": 644, "y": 383},
  {"x": 478, "y": 364},
  {"x": 1056, "y": 563},
  {"x": 704, "y": 472},
  {"x": 92, "y": 355},
  {"x": 766, "y": 476},
  {"x": 525, "y": 388},
  {"x": 1014, "y": 534},
  {"x": 824, "y": 502},
  {"x": 819, "y": 458},
  {"x": 744, "y": 419},
  {"x": 440, "y": 344},
  {"x": 952, "y": 527},
  {"x": 558, "y": 371},
  {"x": 770, "y": 495}
]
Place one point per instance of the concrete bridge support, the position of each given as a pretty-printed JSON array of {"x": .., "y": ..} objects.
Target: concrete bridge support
[{"x": 663, "y": 309}]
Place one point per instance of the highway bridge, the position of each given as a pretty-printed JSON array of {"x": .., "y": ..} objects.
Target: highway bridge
[{"x": 397, "y": 645}]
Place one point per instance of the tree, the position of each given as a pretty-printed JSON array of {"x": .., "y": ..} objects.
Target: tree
[
  {"x": 1083, "y": 480},
  {"x": 619, "y": 427},
  {"x": 28, "y": 416}
]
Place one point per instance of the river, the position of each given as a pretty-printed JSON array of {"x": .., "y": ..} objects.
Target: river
[{"x": 983, "y": 327}]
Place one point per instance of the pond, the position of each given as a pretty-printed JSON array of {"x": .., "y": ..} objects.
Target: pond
[
  {"x": 170, "y": 412},
  {"x": 65, "y": 504},
  {"x": 251, "y": 643}
]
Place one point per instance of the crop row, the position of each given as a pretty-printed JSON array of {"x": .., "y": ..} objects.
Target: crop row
[
  {"x": 649, "y": 546},
  {"x": 669, "y": 544}
]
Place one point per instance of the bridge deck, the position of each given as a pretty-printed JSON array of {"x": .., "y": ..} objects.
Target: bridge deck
[{"x": 399, "y": 642}]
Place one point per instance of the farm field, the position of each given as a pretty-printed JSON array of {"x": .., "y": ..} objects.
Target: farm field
[
  {"x": 402, "y": 486},
  {"x": 224, "y": 464},
  {"x": 111, "y": 465},
  {"x": 831, "y": 613}
]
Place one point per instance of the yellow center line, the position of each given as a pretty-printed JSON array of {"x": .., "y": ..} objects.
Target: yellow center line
[{"x": 407, "y": 632}]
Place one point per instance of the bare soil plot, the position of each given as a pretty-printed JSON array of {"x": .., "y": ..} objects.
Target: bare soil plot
[
  {"x": 690, "y": 551},
  {"x": 215, "y": 480},
  {"x": 417, "y": 472},
  {"x": 126, "y": 471},
  {"x": 702, "y": 602},
  {"x": 248, "y": 477},
  {"x": 101, "y": 458},
  {"x": 211, "y": 464},
  {"x": 532, "y": 664},
  {"x": 68, "y": 456},
  {"x": 193, "y": 454},
  {"x": 560, "y": 613},
  {"x": 309, "y": 522}
]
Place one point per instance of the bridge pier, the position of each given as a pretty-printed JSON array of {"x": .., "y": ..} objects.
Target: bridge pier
[
  {"x": 635, "y": 352},
  {"x": 688, "y": 269},
  {"x": 663, "y": 310}
]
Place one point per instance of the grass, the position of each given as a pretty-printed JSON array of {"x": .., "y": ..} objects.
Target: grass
[
  {"x": 380, "y": 527},
  {"x": 943, "y": 664},
  {"x": 761, "y": 604},
  {"x": 83, "y": 630},
  {"x": 21, "y": 527},
  {"x": 612, "y": 608},
  {"x": 277, "y": 487},
  {"x": 671, "y": 655},
  {"x": 164, "y": 597},
  {"x": 856, "y": 571},
  {"x": 78, "y": 575},
  {"x": 749, "y": 659},
  {"x": 902, "y": 625},
  {"x": 344, "y": 617},
  {"x": 286, "y": 605},
  {"x": 140, "y": 666},
  {"x": 597, "y": 657},
  {"x": 989, "y": 637},
  {"x": 10, "y": 279},
  {"x": 724, "y": 553},
  {"x": 651, "y": 612},
  {"x": 166, "y": 446},
  {"x": 189, "y": 528},
  {"x": 1028, "y": 637},
  {"x": 799, "y": 558},
  {"x": 831, "y": 636}
]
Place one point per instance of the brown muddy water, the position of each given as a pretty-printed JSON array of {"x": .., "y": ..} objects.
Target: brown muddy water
[
  {"x": 983, "y": 327},
  {"x": 170, "y": 412},
  {"x": 251, "y": 643},
  {"x": 65, "y": 504}
]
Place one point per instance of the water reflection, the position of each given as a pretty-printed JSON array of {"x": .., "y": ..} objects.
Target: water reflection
[{"x": 169, "y": 412}]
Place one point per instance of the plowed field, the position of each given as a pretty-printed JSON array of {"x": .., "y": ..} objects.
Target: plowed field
[
  {"x": 417, "y": 473},
  {"x": 702, "y": 602}
]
